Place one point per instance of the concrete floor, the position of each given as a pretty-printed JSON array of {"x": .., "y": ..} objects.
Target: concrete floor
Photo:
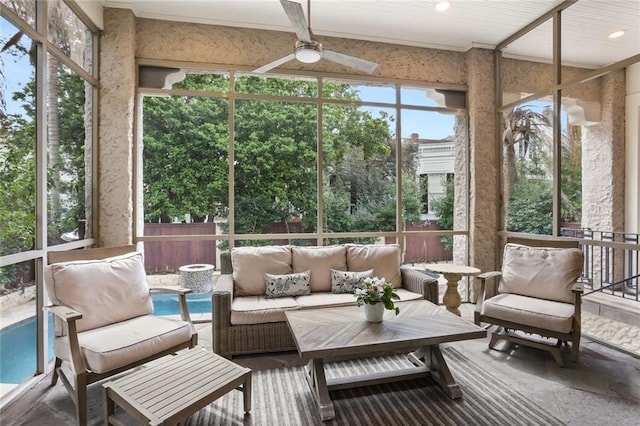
[{"x": 602, "y": 388}]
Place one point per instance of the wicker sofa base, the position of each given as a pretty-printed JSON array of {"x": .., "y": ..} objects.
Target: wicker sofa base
[{"x": 256, "y": 338}]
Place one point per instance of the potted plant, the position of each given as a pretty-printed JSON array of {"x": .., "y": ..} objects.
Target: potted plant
[{"x": 377, "y": 295}]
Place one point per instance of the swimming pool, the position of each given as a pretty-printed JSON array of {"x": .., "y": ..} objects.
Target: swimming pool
[
  {"x": 167, "y": 303},
  {"x": 18, "y": 350},
  {"x": 18, "y": 341}
]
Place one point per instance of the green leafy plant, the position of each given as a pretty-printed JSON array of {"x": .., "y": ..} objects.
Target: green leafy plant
[{"x": 376, "y": 290}]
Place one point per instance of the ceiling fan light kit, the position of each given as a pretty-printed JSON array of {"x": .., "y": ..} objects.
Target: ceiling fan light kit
[{"x": 309, "y": 51}]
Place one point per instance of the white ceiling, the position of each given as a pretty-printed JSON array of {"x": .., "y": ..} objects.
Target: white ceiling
[{"x": 481, "y": 23}]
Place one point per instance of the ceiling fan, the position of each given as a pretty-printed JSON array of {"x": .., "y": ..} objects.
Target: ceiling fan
[{"x": 310, "y": 51}]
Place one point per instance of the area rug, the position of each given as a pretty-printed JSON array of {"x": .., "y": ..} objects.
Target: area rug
[{"x": 282, "y": 397}]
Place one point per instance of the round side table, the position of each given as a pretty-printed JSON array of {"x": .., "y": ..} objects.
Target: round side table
[
  {"x": 452, "y": 273},
  {"x": 197, "y": 277}
]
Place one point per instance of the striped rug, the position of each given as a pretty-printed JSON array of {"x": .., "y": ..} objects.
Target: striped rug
[{"x": 282, "y": 397}]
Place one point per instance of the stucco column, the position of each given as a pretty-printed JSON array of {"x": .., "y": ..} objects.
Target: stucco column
[
  {"x": 603, "y": 160},
  {"x": 603, "y": 168},
  {"x": 483, "y": 155},
  {"x": 115, "y": 160}
]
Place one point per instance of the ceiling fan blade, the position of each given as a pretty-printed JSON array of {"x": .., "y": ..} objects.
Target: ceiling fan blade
[
  {"x": 296, "y": 16},
  {"x": 350, "y": 61},
  {"x": 274, "y": 64}
]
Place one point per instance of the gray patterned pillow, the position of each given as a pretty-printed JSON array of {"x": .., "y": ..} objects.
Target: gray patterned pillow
[
  {"x": 348, "y": 281},
  {"x": 297, "y": 284}
]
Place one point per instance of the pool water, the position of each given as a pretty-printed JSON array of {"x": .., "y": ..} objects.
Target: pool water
[
  {"x": 18, "y": 341},
  {"x": 167, "y": 303},
  {"x": 18, "y": 350}
]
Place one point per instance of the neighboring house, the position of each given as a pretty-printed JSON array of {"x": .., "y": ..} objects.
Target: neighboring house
[{"x": 435, "y": 164}]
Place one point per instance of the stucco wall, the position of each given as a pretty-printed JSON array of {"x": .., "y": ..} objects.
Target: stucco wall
[
  {"x": 519, "y": 76},
  {"x": 254, "y": 48}
]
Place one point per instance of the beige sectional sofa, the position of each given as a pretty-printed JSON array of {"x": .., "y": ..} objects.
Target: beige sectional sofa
[{"x": 246, "y": 321}]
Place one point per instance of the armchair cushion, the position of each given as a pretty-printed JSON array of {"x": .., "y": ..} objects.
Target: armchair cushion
[
  {"x": 120, "y": 344},
  {"x": 544, "y": 314},
  {"x": 383, "y": 259},
  {"x": 123, "y": 291},
  {"x": 542, "y": 272},
  {"x": 319, "y": 260},
  {"x": 251, "y": 263}
]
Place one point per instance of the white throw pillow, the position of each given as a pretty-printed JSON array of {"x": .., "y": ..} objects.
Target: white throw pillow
[
  {"x": 297, "y": 284},
  {"x": 348, "y": 281}
]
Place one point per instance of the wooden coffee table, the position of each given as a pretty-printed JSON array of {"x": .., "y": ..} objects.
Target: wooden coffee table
[{"x": 419, "y": 329}]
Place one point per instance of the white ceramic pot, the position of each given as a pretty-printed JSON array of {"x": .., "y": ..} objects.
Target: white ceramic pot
[{"x": 374, "y": 313}]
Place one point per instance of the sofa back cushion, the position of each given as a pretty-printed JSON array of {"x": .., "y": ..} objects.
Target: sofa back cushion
[
  {"x": 251, "y": 263},
  {"x": 320, "y": 261},
  {"x": 383, "y": 259},
  {"x": 542, "y": 272},
  {"x": 104, "y": 291}
]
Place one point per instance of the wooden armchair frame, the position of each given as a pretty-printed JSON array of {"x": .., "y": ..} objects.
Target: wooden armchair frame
[
  {"x": 80, "y": 377},
  {"x": 504, "y": 333},
  {"x": 506, "y": 329}
]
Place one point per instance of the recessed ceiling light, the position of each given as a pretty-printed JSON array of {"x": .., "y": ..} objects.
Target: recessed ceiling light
[
  {"x": 617, "y": 34},
  {"x": 443, "y": 5}
]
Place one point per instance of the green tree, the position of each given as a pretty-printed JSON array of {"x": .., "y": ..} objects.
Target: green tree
[
  {"x": 275, "y": 154},
  {"x": 444, "y": 209}
]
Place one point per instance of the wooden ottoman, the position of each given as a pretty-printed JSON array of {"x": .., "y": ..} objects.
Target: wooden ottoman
[{"x": 175, "y": 387}]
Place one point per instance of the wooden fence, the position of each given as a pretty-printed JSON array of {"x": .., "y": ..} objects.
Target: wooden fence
[{"x": 167, "y": 256}]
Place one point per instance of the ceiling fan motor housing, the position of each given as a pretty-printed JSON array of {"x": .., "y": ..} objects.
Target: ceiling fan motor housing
[{"x": 308, "y": 52}]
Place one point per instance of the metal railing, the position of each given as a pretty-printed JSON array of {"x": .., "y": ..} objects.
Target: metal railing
[{"x": 611, "y": 261}]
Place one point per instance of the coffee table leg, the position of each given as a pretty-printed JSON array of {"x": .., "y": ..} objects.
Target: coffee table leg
[
  {"x": 440, "y": 371},
  {"x": 318, "y": 384},
  {"x": 246, "y": 392}
]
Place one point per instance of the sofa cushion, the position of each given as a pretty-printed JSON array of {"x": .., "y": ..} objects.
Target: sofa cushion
[
  {"x": 408, "y": 295},
  {"x": 542, "y": 272},
  {"x": 251, "y": 263},
  {"x": 545, "y": 314},
  {"x": 383, "y": 259},
  {"x": 325, "y": 300},
  {"x": 259, "y": 309},
  {"x": 319, "y": 260},
  {"x": 104, "y": 291},
  {"x": 296, "y": 284},
  {"x": 348, "y": 281},
  {"x": 116, "y": 345}
]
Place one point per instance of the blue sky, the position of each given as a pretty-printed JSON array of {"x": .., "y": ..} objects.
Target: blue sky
[
  {"x": 427, "y": 124},
  {"x": 17, "y": 70}
]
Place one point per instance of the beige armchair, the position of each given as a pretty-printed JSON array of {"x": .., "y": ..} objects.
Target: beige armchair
[
  {"x": 538, "y": 294},
  {"x": 103, "y": 318}
]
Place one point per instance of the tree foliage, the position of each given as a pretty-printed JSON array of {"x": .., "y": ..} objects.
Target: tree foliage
[
  {"x": 444, "y": 209},
  {"x": 275, "y": 151}
]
